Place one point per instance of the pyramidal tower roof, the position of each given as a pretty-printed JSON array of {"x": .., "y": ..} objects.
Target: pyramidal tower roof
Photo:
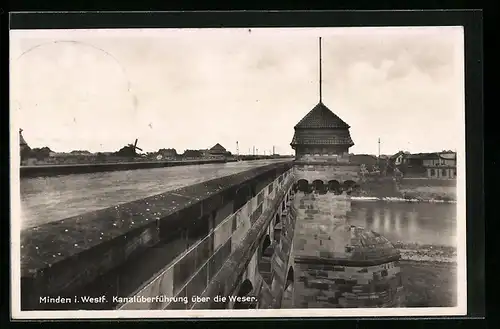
[
  {"x": 22, "y": 141},
  {"x": 321, "y": 117}
]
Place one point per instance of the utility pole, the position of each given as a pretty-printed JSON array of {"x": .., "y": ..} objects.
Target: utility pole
[
  {"x": 237, "y": 149},
  {"x": 253, "y": 151},
  {"x": 379, "y": 149},
  {"x": 274, "y": 150}
]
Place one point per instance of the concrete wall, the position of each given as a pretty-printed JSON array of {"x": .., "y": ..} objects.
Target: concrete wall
[{"x": 127, "y": 250}]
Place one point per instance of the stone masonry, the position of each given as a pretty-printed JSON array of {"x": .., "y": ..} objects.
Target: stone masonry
[{"x": 339, "y": 265}]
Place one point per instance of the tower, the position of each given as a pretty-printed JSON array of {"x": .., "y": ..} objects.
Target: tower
[
  {"x": 23, "y": 146},
  {"x": 321, "y": 134}
]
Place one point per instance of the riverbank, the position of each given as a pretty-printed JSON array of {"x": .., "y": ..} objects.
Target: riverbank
[
  {"x": 429, "y": 274},
  {"x": 409, "y": 189},
  {"x": 427, "y": 253},
  {"x": 429, "y": 284}
]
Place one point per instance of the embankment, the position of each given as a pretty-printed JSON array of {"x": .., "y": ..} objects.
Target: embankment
[
  {"x": 429, "y": 274},
  {"x": 56, "y": 170},
  {"x": 411, "y": 189},
  {"x": 429, "y": 284}
]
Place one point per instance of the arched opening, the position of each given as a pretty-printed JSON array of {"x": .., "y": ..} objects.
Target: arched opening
[
  {"x": 349, "y": 186},
  {"x": 265, "y": 268},
  {"x": 303, "y": 185},
  {"x": 334, "y": 186},
  {"x": 277, "y": 229},
  {"x": 318, "y": 185},
  {"x": 265, "y": 244},
  {"x": 245, "y": 289}
]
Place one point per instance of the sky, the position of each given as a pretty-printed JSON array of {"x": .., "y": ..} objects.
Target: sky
[{"x": 98, "y": 90}]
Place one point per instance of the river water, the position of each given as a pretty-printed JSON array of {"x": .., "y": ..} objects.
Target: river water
[
  {"x": 47, "y": 199},
  {"x": 407, "y": 222}
]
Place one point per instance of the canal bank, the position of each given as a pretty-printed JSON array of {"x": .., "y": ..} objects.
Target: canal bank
[
  {"x": 57, "y": 170},
  {"x": 412, "y": 189}
]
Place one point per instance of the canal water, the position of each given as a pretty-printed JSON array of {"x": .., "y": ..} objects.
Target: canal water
[
  {"x": 50, "y": 199},
  {"x": 47, "y": 199},
  {"x": 407, "y": 222}
]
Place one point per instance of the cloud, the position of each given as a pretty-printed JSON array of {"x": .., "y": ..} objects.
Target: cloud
[{"x": 202, "y": 87}]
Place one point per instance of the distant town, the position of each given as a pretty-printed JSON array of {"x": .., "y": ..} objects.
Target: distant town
[
  {"x": 440, "y": 164},
  {"x": 129, "y": 153}
]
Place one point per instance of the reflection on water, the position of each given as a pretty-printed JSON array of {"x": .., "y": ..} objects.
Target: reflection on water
[
  {"x": 423, "y": 223},
  {"x": 47, "y": 199}
]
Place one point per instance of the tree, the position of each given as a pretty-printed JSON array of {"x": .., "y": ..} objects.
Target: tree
[{"x": 192, "y": 154}]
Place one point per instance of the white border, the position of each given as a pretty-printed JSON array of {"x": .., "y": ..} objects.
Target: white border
[{"x": 460, "y": 309}]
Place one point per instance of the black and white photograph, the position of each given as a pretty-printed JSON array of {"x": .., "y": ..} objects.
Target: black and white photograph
[{"x": 238, "y": 172}]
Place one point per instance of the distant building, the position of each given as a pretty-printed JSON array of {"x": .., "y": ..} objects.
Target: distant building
[
  {"x": 218, "y": 150},
  {"x": 398, "y": 158},
  {"x": 441, "y": 165},
  {"x": 167, "y": 153},
  {"x": 81, "y": 153},
  {"x": 192, "y": 154},
  {"x": 431, "y": 165}
]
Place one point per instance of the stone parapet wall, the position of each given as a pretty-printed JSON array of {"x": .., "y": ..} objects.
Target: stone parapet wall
[
  {"x": 115, "y": 252},
  {"x": 242, "y": 262}
]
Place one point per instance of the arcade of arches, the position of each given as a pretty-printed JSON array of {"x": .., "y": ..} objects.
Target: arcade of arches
[{"x": 332, "y": 186}]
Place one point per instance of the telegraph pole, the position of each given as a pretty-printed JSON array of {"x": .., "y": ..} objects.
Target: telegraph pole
[{"x": 379, "y": 149}]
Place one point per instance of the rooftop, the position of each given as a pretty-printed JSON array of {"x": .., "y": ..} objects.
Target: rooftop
[
  {"x": 218, "y": 147},
  {"x": 321, "y": 117}
]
